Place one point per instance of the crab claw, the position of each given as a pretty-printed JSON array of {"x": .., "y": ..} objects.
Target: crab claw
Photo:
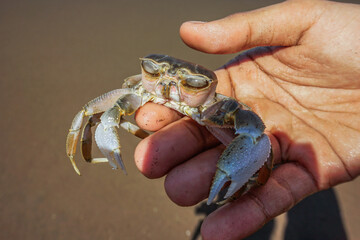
[
  {"x": 239, "y": 162},
  {"x": 109, "y": 144}
]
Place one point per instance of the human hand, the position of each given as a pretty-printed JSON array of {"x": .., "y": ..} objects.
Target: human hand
[{"x": 307, "y": 92}]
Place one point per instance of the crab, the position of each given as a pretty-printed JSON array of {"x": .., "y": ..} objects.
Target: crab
[{"x": 189, "y": 89}]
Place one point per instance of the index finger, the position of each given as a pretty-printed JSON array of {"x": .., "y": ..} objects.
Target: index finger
[{"x": 153, "y": 117}]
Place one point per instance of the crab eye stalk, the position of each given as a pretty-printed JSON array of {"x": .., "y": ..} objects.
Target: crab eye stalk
[
  {"x": 196, "y": 81},
  {"x": 150, "y": 67}
]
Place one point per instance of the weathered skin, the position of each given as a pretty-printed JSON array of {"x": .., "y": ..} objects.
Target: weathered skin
[{"x": 189, "y": 89}]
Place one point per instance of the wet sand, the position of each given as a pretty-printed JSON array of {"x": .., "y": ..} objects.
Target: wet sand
[{"x": 57, "y": 55}]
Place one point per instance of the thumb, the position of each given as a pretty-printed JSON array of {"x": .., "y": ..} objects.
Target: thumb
[{"x": 277, "y": 25}]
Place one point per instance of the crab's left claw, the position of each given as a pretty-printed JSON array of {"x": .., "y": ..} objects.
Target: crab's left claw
[
  {"x": 244, "y": 156},
  {"x": 238, "y": 163}
]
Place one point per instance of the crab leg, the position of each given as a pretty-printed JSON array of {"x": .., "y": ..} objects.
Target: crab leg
[
  {"x": 131, "y": 81},
  {"x": 73, "y": 137},
  {"x": 86, "y": 138},
  {"x": 98, "y": 105},
  {"x": 133, "y": 129}
]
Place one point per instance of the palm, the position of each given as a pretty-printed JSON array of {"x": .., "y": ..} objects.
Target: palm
[{"x": 307, "y": 119}]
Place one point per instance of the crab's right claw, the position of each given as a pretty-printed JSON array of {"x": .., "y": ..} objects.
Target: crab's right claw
[{"x": 238, "y": 163}]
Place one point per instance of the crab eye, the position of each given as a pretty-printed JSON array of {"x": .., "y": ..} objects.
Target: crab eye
[
  {"x": 196, "y": 81},
  {"x": 150, "y": 67}
]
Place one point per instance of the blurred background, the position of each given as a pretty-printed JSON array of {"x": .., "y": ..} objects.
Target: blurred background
[{"x": 57, "y": 55}]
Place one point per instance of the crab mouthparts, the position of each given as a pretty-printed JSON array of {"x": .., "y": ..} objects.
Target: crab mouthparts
[{"x": 167, "y": 89}]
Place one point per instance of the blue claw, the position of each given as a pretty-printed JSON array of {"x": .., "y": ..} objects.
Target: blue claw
[
  {"x": 239, "y": 162},
  {"x": 218, "y": 182},
  {"x": 248, "y": 123}
]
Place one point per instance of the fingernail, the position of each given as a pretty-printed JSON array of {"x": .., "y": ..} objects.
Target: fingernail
[{"x": 196, "y": 22}]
